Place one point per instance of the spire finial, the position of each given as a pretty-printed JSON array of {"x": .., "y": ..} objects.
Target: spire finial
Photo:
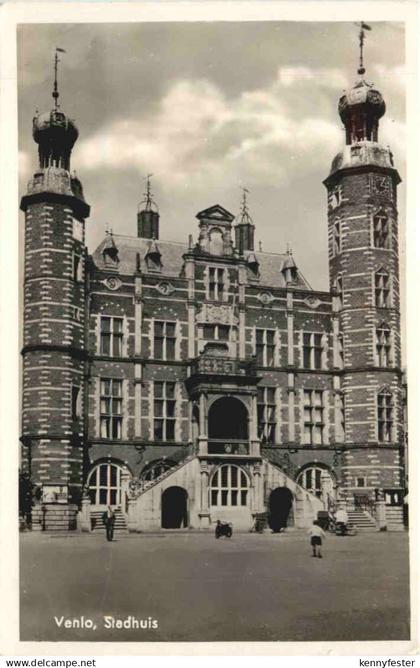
[
  {"x": 363, "y": 27},
  {"x": 245, "y": 217},
  {"x": 55, "y": 92},
  {"x": 148, "y": 193}
]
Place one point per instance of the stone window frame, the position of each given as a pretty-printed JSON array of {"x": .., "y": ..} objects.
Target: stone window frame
[
  {"x": 337, "y": 236},
  {"x": 267, "y": 414},
  {"x": 220, "y": 293},
  {"x": 107, "y": 486},
  {"x": 111, "y": 420},
  {"x": 364, "y": 480},
  {"x": 227, "y": 490},
  {"x": 385, "y": 415},
  {"x": 266, "y": 346},
  {"x": 321, "y": 346},
  {"x": 114, "y": 335},
  {"x": 165, "y": 338},
  {"x": 168, "y": 418},
  {"x": 314, "y": 468},
  {"x": 380, "y": 287},
  {"x": 381, "y": 219},
  {"x": 77, "y": 267},
  {"x": 384, "y": 353},
  {"x": 314, "y": 416}
]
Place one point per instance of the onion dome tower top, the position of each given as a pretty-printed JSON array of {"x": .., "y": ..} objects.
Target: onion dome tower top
[
  {"x": 360, "y": 109},
  {"x": 362, "y": 106},
  {"x": 54, "y": 132}
]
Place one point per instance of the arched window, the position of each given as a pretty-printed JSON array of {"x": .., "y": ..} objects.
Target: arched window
[
  {"x": 381, "y": 230},
  {"x": 382, "y": 289},
  {"x": 385, "y": 416},
  {"x": 383, "y": 345},
  {"x": 229, "y": 486},
  {"x": 216, "y": 242},
  {"x": 104, "y": 483},
  {"x": 155, "y": 469},
  {"x": 312, "y": 478}
]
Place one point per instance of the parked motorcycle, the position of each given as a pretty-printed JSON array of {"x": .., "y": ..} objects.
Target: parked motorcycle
[
  {"x": 223, "y": 529},
  {"x": 344, "y": 529}
]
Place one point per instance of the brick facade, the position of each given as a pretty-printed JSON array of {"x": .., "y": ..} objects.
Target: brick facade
[{"x": 129, "y": 350}]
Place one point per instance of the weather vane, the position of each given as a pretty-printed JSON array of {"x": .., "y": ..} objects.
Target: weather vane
[
  {"x": 244, "y": 204},
  {"x": 363, "y": 27},
  {"x": 55, "y": 93}
]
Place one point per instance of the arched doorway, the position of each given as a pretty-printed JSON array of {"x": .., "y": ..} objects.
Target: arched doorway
[
  {"x": 174, "y": 508},
  {"x": 280, "y": 505},
  {"x": 228, "y": 427}
]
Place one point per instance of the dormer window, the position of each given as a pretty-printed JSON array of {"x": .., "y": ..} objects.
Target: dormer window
[{"x": 153, "y": 257}]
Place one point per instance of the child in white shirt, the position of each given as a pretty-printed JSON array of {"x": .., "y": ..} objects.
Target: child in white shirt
[{"x": 316, "y": 534}]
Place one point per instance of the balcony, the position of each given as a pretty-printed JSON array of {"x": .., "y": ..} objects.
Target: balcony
[
  {"x": 214, "y": 361},
  {"x": 231, "y": 447}
]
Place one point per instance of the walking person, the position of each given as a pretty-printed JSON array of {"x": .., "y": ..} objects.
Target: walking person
[
  {"x": 109, "y": 521},
  {"x": 316, "y": 534}
]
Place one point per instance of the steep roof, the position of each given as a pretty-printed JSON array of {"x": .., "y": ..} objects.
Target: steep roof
[{"x": 270, "y": 264}]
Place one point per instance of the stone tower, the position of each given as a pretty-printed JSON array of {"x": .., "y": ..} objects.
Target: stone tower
[
  {"x": 54, "y": 347},
  {"x": 364, "y": 274}
]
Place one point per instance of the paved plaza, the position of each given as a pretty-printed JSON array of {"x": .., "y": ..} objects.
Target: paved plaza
[{"x": 251, "y": 587}]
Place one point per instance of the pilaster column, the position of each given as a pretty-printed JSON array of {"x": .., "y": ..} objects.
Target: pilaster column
[
  {"x": 291, "y": 406},
  {"x": 138, "y": 314},
  {"x": 290, "y": 337}
]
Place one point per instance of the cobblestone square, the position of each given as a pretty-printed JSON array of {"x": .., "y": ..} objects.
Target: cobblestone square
[{"x": 251, "y": 587}]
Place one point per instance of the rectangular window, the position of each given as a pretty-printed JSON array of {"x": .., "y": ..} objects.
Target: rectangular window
[
  {"x": 164, "y": 340},
  {"x": 215, "y": 332},
  {"x": 340, "y": 350},
  {"x": 381, "y": 231},
  {"x": 111, "y": 408},
  {"x": 265, "y": 346},
  {"x": 337, "y": 237},
  {"x": 111, "y": 336},
  {"x": 339, "y": 289},
  {"x": 385, "y": 419},
  {"x": 77, "y": 268},
  {"x": 164, "y": 411},
  {"x": 382, "y": 289},
  {"x": 75, "y": 402},
  {"x": 313, "y": 415},
  {"x": 266, "y": 408},
  {"x": 216, "y": 278},
  {"x": 361, "y": 482},
  {"x": 341, "y": 416},
  {"x": 312, "y": 351},
  {"x": 383, "y": 346}
]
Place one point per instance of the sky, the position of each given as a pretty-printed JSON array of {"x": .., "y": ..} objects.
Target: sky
[{"x": 208, "y": 108}]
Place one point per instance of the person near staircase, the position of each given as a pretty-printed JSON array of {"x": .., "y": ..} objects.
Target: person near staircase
[
  {"x": 316, "y": 534},
  {"x": 109, "y": 520}
]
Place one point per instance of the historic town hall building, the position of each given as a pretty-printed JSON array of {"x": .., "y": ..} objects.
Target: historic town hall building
[{"x": 185, "y": 383}]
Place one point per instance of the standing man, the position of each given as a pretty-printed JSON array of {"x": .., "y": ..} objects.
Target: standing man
[{"x": 109, "y": 520}]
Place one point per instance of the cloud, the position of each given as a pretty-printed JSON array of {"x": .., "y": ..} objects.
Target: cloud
[
  {"x": 199, "y": 135},
  {"x": 299, "y": 75}
]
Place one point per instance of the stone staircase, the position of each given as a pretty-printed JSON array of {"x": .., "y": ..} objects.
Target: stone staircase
[
  {"x": 362, "y": 520},
  {"x": 395, "y": 518},
  {"x": 98, "y": 525},
  {"x": 145, "y": 486}
]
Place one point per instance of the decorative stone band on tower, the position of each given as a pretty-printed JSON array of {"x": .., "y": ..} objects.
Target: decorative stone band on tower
[
  {"x": 364, "y": 273},
  {"x": 55, "y": 311}
]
